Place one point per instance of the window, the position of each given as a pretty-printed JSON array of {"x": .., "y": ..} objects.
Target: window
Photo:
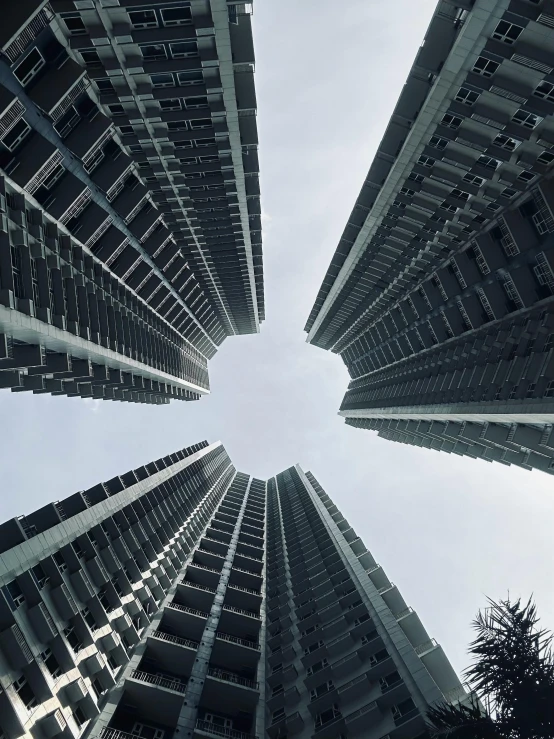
[
  {"x": 317, "y": 667},
  {"x": 326, "y": 717},
  {"x": 196, "y": 102},
  {"x": 277, "y": 715},
  {"x": 116, "y": 109},
  {"x": 98, "y": 688},
  {"x": 447, "y": 206},
  {"x": 52, "y": 664},
  {"x": 24, "y": 691},
  {"x": 29, "y": 67},
  {"x": 548, "y": 345},
  {"x": 89, "y": 619},
  {"x": 452, "y": 121},
  {"x": 524, "y": 118},
  {"x": 105, "y": 85},
  {"x": 545, "y": 158},
  {"x": 416, "y": 177},
  {"x": 473, "y": 179},
  {"x": 322, "y": 690},
  {"x": 201, "y": 123},
  {"x": 39, "y": 576},
  {"x": 506, "y": 142},
  {"x": 437, "y": 143},
  {"x": 508, "y": 192},
  {"x": 14, "y": 137},
  {"x": 507, "y": 32},
  {"x": 73, "y": 639},
  {"x": 171, "y": 104},
  {"x": 79, "y": 716},
  {"x": 74, "y": 24},
  {"x": 488, "y": 162},
  {"x": 403, "y": 708},
  {"x": 485, "y": 67},
  {"x": 191, "y": 77},
  {"x": 426, "y": 161},
  {"x": 176, "y": 16},
  {"x": 184, "y": 49},
  {"x": 60, "y": 561},
  {"x": 152, "y": 52},
  {"x": 466, "y": 96},
  {"x": 526, "y": 176},
  {"x": 90, "y": 58},
  {"x": 545, "y": 90},
  {"x": 461, "y": 194},
  {"x": 313, "y": 647},
  {"x": 15, "y": 594},
  {"x": 143, "y": 19},
  {"x": 162, "y": 80}
]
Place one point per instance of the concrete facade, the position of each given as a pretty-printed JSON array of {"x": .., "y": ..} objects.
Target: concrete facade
[
  {"x": 440, "y": 295},
  {"x": 130, "y": 235},
  {"x": 186, "y": 599}
]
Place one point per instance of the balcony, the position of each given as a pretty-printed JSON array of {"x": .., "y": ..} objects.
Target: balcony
[
  {"x": 230, "y": 650},
  {"x": 207, "y": 728},
  {"x": 196, "y": 595},
  {"x": 167, "y": 649},
  {"x": 290, "y": 724},
  {"x": 160, "y": 697},
  {"x": 245, "y": 577},
  {"x": 209, "y": 557},
  {"x": 185, "y": 620},
  {"x": 254, "y": 564},
  {"x": 229, "y": 692},
  {"x": 204, "y": 573},
  {"x": 239, "y": 595},
  {"x": 364, "y": 718}
]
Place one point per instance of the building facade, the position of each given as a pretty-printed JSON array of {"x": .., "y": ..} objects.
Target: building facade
[
  {"x": 130, "y": 238},
  {"x": 439, "y": 296},
  {"x": 186, "y": 599}
]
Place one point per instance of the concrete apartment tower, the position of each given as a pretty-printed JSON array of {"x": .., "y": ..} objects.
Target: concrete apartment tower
[
  {"x": 440, "y": 295},
  {"x": 130, "y": 235},
  {"x": 186, "y": 599}
]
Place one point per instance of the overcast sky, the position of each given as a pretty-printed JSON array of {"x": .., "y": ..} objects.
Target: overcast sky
[{"x": 448, "y": 530}]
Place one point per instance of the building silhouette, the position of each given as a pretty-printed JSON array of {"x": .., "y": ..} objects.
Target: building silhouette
[
  {"x": 130, "y": 238},
  {"x": 184, "y": 598},
  {"x": 439, "y": 296}
]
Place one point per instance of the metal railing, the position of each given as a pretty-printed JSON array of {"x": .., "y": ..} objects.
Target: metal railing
[
  {"x": 351, "y": 683},
  {"x": 231, "y": 677},
  {"x": 198, "y": 586},
  {"x": 242, "y": 611},
  {"x": 175, "y": 639},
  {"x": 361, "y": 712},
  {"x": 207, "y": 551},
  {"x": 425, "y": 647},
  {"x": 403, "y": 613},
  {"x": 202, "y": 725},
  {"x": 238, "y": 640},
  {"x": 29, "y": 33},
  {"x": 186, "y": 609},
  {"x": 162, "y": 682},
  {"x": 205, "y": 567},
  {"x": 245, "y": 590},
  {"x": 248, "y": 572}
]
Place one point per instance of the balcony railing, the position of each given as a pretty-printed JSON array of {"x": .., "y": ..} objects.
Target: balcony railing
[
  {"x": 175, "y": 639},
  {"x": 186, "y": 609},
  {"x": 230, "y": 677},
  {"x": 405, "y": 612},
  {"x": 242, "y": 611},
  {"x": 205, "y": 567},
  {"x": 238, "y": 640},
  {"x": 198, "y": 586},
  {"x": 162, "y": 682},
  {"x": 208, "y": 551},
  {"x": 361, "y": 712},
  {"x": 29, "y": 33},
  {"x": 245, "y": 590},
  {"x": 425, "y": 647},
  {"x": 202, "y": 725},
  {"x": 248, "y": 572}
]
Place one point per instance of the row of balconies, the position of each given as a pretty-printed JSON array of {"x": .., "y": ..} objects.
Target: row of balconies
[{"x": 515, "y": 235}]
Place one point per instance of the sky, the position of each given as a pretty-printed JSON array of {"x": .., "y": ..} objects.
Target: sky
[{"x": 449, "y": 531}]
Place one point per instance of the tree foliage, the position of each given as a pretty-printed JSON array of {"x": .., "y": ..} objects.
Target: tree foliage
[{"x": 512, "y": 674}]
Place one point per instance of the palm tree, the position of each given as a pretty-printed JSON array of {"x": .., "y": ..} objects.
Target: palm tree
[{"x": 513, "y": 674}]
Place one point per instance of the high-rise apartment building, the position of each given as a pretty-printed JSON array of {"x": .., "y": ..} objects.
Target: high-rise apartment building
[
  {"x": 439, "y": 296},
  {"x": 130, "y": 235},
  {"x": 186, "y": 599}
]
